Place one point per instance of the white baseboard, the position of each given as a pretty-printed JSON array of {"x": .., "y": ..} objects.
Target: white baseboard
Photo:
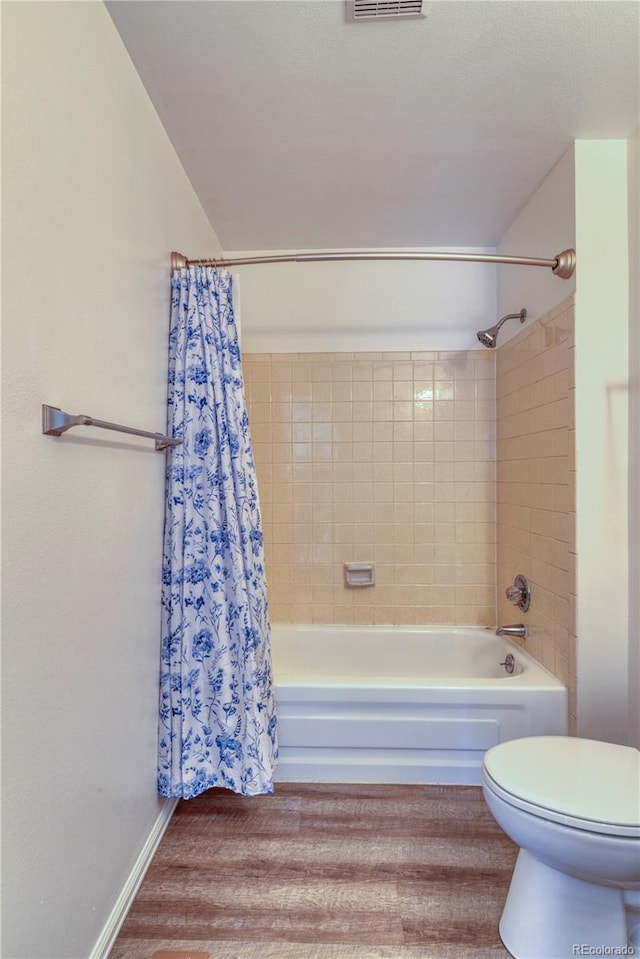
[{"x": 119, "y": 912}]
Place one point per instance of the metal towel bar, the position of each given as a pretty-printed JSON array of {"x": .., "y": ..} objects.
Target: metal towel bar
[{"x": 55, "y": 422}]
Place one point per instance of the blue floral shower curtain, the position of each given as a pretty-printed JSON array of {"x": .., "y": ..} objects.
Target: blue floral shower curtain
[{"x": 217, "y": 714}]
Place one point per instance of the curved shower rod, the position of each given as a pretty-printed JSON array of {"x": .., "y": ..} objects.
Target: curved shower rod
[{"x": 562, "y": 265}]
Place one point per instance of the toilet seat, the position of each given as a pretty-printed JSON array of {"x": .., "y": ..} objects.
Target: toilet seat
[{"x": 581, "y": 783}]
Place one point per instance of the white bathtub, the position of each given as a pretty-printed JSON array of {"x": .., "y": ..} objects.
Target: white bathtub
[{"x": 403, "y": 704}]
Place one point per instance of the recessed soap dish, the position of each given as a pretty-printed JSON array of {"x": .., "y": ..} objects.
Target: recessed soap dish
[{"x": 359, "y": 574}]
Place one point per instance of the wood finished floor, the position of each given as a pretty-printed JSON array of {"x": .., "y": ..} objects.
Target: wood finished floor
[{"x": 324, "y": 871}]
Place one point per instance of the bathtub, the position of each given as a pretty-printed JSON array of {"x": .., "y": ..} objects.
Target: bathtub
[{"x": 371, "y": 704}]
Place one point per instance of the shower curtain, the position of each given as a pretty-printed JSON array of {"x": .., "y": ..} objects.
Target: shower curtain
[{"x": 217, "y": 722}]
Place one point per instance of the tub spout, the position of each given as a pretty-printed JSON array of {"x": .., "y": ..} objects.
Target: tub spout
[{"x": 519, "y": 630}]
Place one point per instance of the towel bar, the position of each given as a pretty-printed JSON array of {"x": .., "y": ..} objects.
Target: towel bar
[{"x": 55, "y": 422}]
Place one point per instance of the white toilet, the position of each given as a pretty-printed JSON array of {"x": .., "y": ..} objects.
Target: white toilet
[{"x": 573, "y": 807}]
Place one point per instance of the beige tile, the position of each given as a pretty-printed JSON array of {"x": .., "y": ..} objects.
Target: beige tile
[
  {"x": 535, "y": 480},
  {"x": 341, "y": 371},
  {"x": 383, "y": 370},
  {"x": 385, "y": 460}
]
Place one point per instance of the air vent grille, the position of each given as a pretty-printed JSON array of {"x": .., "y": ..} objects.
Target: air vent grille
[{"x": 383, "y": 9}]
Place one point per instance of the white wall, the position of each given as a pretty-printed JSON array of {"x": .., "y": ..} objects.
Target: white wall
[
  {"x": 633, "y": 164},
  {"x": 544, "y": 227},
  {"x": 602, "y": 400},
  {"x": 94, "y": 201},
  {"x": 364, "y": 306},
  {"x": 583, "y": 203}
]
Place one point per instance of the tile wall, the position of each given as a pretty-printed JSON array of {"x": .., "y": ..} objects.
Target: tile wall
[
  {"x": 381, "y": 457},
  {"x": 536, "y": 486}
]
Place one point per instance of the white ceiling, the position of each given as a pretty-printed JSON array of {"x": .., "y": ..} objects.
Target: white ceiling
[{"x": 300, "y": 130}]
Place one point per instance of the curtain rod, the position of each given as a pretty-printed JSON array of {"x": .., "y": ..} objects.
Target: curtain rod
[{"x": 562, "y": 265}]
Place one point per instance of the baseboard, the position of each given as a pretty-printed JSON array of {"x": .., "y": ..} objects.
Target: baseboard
[{"x": 109, "y": 934}]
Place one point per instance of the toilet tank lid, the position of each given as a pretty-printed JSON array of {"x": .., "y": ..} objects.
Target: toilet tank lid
[{"x": 582, "y": 778}]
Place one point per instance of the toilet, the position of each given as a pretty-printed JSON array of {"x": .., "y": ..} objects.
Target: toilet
[{"x": 573, "y": 807}]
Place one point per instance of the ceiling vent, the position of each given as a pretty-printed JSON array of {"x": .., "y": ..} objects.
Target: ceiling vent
[{"x": 383, "y": 10}]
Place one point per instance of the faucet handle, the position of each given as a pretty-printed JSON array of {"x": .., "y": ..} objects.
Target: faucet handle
[{"x": 519, "y": 593}]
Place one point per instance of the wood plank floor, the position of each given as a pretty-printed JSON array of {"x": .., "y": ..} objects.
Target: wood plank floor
[{"x": 324, "y": 871}]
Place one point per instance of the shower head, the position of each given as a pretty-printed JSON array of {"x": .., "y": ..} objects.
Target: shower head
[{"x": 489, "y": 337}]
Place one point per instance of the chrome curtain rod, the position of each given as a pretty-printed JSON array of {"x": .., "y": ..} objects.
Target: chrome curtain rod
[
  {"x": 55, "y": 422},
  {"x": 562, "y": 265}
]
